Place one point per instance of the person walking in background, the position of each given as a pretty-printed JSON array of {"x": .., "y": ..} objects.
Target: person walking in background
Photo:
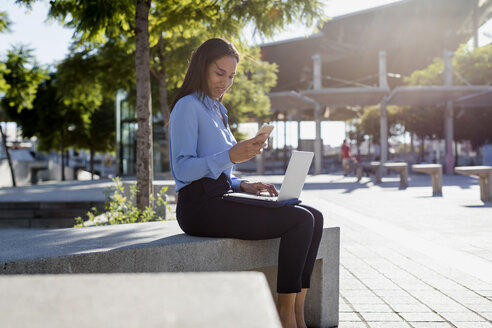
[{"x": 345, "y": 156}]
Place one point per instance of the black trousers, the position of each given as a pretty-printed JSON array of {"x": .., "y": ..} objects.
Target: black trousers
[{"x": 202, "y": 212}]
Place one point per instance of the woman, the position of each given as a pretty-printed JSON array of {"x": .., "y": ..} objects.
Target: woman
[{"x": 203, "y": 152}]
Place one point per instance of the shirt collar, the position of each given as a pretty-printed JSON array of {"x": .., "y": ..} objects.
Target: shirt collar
[{"x": 209, "y": 102}]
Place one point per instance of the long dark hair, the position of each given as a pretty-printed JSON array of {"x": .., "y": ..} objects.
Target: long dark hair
[{"x": 196, "y": 75}]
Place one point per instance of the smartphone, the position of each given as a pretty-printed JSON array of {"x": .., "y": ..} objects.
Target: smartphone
[{"x": 266, "y": 129}]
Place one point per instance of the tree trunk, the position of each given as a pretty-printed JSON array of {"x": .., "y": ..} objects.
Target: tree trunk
[
  {"x": 4, "y": 141},
  {"x": 144, "y": 111},
  {"x": 91, "y": 161},
  {"x": 161, "y": 75},
  {"x": 62, "y": 152}
]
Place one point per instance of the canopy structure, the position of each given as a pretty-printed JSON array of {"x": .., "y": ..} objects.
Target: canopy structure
[
  {"x": 436, "y": 95},
  {"x": 336, "y": 97},
  {"x": 289, "y": 100},
  {"x": 479, "y": 99},
  {"x": 411, "y": 32}
]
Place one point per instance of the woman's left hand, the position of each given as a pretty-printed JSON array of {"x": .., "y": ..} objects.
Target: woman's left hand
[{"x": 256, "y": 188}]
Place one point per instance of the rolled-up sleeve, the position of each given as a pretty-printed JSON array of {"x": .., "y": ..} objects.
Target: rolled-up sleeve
[
  {"x": 236, "y": 184},
  {"x": 183, "y": 135}
]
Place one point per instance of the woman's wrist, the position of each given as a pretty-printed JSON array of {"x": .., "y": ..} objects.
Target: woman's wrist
[{"x": 243, "y": 184}]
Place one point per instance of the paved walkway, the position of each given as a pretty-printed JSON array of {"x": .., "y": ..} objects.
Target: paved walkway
[{"x": 407, "y": 259}]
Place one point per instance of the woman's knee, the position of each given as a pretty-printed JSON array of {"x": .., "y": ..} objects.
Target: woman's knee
[
  {"x": 305, "y": 217},
  {"x": 317, "y": 216}
]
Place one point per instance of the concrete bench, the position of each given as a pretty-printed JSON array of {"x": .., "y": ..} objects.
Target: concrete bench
[
  {"x": 152, "y": 300},
  {"x": 485, "y": 175},
  {"x": 402, "y": 169},
  {"x": 162, "y": 247},
  {"x": 34, "y": 170},
  {"x": 376, "y": 167},
  {"x": 435, "y": 171}
]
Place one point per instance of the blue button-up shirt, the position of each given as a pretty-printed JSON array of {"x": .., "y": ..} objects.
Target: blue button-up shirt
[{"x": 199, "y": 142}]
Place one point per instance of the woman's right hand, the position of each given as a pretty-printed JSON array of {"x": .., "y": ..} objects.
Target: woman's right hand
[{"x": 247, "y": 149}]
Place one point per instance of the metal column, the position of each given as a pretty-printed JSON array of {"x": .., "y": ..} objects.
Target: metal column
[
  {"x": 383, "y": 121},
  {"x": 383, "y": 82},
  {"x": 448, "y": 114},
  {"x": 318, "y": 147},
  {"x": 383, "y": 118}
]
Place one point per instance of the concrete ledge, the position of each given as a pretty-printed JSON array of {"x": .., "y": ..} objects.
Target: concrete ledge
[
  {"x": 172, "y": 300},
  {"x": 162, "y": 247}
]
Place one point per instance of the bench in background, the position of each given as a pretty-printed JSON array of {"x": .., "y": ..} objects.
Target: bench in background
[
  {"x": 484, "y": 173},
  {"x": 435, "y": 171}
]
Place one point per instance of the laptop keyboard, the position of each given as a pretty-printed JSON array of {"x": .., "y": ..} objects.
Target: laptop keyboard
[{"x": 267, "y": 198}]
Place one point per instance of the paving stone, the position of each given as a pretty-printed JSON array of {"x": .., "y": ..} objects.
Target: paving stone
[
  {"x": 352, "y": 324},
  {"x": 472, "y": 324},
  {"x": 358, "y": 293},
  {"x": 474, "y": 300},
  {"x": 381, "y": 316},
  {"x": 415, "y": 308},
  {"x": 486, "y": 292},
  {"x": 426, "y": 316},
  {"x": 400, "y": 300},
  {"x": 480, "y": 307},
  {"x": 401, "y": 324},
  {"x": 391, "y": 292},
  {"x": 372, "y": 308},
  {"x": 432, "y": 325},
  {"x": 487, "y": 315},
  {"x": 365, "y": 300},
  {"x": 449, "y": 307},
  {"x": 343, "y": 307},
  {"x": 348, "y": 316},
  {"x": 462, "y": 317}
]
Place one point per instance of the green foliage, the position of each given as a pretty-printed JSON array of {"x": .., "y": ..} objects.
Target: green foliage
[
  {"x": 95, "y": 21},
  {"x": 431, "y": 75},
  {"x": 472, "y": 66},
  {"x": 3, "y": 84},
  {"x": 424, "y": 122},
  {"x": 4, "y": 22},
  {"x": 475, "y": 66},
  {"x": 4, "y": 25},
  {"x": 48, "y": 118},
  {"x": 22, "y": 75},
  {"x": 120, "y": 208}
]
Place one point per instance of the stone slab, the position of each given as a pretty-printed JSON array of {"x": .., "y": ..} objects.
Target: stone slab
[
  {"x": 171, "y": 300},
  {"x": 162, "y": 247}
]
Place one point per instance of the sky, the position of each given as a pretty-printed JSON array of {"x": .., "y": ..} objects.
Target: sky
[{"x": 50, "y": 40}]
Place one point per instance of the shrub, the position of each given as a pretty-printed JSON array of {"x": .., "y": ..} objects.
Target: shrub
[{"x": 120, "y": 209}]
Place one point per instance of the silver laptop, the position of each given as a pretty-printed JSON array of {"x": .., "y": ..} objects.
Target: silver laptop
[{"x": 291, "y": 188}]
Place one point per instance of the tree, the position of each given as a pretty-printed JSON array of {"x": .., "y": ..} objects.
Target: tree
[
  {"x": 97, "y": 21},
  {"x": 87, "y": 82},
  {"x": 49, "y": 118},
  {"x": 4, "y": 26},
  {"x": 473, "y": 66},
  {"x": 99, "y": 134},
  {"x": 22, "y": 76}
]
